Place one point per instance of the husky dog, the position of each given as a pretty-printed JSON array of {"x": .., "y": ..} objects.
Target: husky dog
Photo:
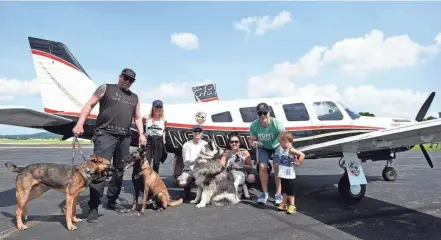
[
  {"x": 236, "y": 165},
  {"x": 215, "y": 184}
]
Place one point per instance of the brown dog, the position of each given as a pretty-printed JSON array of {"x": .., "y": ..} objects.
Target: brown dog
[
  {"x": 35, "y": 179},
  {"x": 148, "y": 181}
]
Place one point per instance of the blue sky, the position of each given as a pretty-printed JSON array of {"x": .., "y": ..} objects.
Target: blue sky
[{"x": 106, "y": 37}]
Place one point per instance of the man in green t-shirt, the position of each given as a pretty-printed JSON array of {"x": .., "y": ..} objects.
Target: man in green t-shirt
[{"x": 263, "y": 135}]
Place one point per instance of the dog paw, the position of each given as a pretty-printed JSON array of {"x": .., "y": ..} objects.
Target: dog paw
[
  {"x": 200, "y": 205},
  {"x": 72, "y": 228},
  {"x": 76, "y": 220},
  {"x": 194, "y": 201}
]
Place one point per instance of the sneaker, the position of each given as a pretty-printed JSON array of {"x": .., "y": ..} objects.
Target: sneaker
[
  {"x": 93, "y": 216},
  {"x": 263, "y": 198},
  {"x": 291, "y": 209},
  {"x": 282, "y": 207},
  {"x": 278, "y": 198},
  {"x": 115, "y": 206}
]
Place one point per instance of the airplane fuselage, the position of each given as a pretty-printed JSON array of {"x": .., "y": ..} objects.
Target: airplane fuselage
[{"x": 311, "y": 120}]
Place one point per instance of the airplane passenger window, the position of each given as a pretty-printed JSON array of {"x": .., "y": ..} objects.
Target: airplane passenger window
[
  {"x": 351, "y": 113},
  {"x": 249, "y": 114},
  {"x": 327, "y": 111},
  {"x": 296, "y": 112},
  {"x": 222, "y": 117}
]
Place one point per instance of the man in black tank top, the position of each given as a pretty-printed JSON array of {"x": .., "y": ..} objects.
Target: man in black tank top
[{"x": 118, "y": 106}]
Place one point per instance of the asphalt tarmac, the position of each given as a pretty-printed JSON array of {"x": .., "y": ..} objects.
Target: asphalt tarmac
[{"x": 408, "y": 208}]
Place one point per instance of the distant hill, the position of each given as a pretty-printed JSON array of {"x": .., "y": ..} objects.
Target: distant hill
[{"x": 41, "y": 135}]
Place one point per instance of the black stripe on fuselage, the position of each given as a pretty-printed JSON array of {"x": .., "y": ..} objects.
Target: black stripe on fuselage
[{"x": 55, "y": 48}]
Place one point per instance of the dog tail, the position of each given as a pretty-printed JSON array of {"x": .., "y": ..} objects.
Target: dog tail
[
  {"x": 175, "y": 202},
  {"x": 12, "y": 167}
]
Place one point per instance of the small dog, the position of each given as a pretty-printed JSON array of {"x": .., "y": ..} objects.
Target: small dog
[
  {"x": 35, "y": 179},
  {"x": 237, "y": 168},
  {"x": 146, "y": 180},
  {"x": 215, "y": 184}
]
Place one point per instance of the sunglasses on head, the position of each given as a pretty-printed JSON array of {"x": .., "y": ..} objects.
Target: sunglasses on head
[
  {"x": 127, "y": 78},
  {"x": 234, "y": 141},
  {"x": 262, "y": 112}
]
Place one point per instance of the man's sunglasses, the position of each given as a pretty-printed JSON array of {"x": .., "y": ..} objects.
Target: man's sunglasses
[
  {"x": 127, "y": 78},
  {"x": 197, "y": 131},
  {"x": 262, "y": 112}
]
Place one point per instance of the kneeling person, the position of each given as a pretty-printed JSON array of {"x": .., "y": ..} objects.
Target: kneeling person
[{"x": 190, "y": 151}]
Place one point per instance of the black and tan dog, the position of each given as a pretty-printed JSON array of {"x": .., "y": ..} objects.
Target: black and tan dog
[
  {"x": 146, "y": 180},
  {"x": 35, "y": 179}
]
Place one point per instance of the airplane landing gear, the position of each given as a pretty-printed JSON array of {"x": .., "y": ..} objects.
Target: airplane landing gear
[
  {"x": 389, "y": 172},
  {"x": 351, "y": 192}
]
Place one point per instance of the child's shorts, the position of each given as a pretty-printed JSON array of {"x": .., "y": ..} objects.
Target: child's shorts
[{"x": 288, "y": 186}]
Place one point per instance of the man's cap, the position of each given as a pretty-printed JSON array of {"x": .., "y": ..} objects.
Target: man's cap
[
  {"x": 262, "y": 107},
  {"x": 157, "y": 103},
  {"x": 198, "y": 127},
  {"x": 129, "y": 72}
]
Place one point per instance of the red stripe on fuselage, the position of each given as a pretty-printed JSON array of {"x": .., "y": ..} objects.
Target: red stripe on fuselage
[
  {"x": 224, "y": 128},
  {"x": 53, "y": 57}
]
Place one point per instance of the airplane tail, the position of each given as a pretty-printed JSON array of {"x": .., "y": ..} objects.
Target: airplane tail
[
  {"x": 205, "y": 93},
  {"x": 64, "y": 84}
]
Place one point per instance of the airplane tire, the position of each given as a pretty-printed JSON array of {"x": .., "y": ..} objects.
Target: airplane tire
[
  {"x": 389, "y": 174},
  {"x": 350, "y": 196}
]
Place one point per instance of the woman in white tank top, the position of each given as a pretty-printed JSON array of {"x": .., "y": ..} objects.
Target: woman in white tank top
[{"x": 155, "y": 125}]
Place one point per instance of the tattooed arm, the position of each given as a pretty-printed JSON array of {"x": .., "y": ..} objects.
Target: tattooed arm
[{"x": 97, "y": 95}]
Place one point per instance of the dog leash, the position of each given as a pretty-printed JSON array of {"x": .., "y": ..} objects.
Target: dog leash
[{"x": 75, "y": 139}]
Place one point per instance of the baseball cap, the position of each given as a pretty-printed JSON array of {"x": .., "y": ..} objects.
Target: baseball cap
[
  {"x": 129, "y": 72},
  {"x": 262, "y": 107},
  {"x": 198, "y": 127},
  {"x": 157, "y": 103}
]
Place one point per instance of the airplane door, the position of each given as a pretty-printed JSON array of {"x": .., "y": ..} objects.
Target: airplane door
[{"x": 331, "y": 122}]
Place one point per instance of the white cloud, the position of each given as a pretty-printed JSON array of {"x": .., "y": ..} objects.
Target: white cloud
[
  {"x": 9, "y": 88},
  {"x": 262, "y": 24},
  {"x": 173, "y": 92},
  {"x": 356, "y": 57},
  {"x": 188, "y": 41}
]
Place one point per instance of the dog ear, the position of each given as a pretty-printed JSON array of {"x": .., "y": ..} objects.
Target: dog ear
[{"x": 96, "y": 158}]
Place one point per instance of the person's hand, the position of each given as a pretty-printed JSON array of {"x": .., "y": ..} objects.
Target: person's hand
[
  {"x": 257, "y": 144},
  {"x": 142, "y": 140},
  {"x": 78, "y": 130}
]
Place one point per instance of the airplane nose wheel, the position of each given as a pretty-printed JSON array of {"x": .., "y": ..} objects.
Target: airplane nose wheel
[{"x": 389, "y": 172}]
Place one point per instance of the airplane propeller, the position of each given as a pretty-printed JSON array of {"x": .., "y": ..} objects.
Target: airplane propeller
[{"x": 420, "y": 116}]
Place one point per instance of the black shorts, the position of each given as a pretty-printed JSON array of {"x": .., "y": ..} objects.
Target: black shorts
[{"x": 288, "y": 186}]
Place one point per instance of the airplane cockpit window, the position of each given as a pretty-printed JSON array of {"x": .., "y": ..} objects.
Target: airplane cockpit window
[
  {"x": 222, "y": 117},
  {"x": 327, "y": 111},
  {"x": 249, "y": 114},
  {"x": 351, "y": 113},
  {"x": 296, "y": 112}
]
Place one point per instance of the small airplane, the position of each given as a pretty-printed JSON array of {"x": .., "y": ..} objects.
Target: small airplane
[{"x": 322, "y": 127}]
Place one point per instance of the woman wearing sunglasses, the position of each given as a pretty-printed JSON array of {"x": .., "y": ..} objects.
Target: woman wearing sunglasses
[
  {"x": 155, "y": 125},
  {"x": 234, "y": 148}
]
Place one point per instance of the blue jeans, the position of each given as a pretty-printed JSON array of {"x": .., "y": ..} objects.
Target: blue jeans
[{"x": 264, "y": 155}]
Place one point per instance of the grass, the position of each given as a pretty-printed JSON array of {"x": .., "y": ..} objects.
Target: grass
[
  {"x": 40, "y": 141},
  {"x": 427, "y": 147}
]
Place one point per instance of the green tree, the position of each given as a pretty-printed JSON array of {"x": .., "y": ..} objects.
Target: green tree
[{"x": 367, "y": 114}]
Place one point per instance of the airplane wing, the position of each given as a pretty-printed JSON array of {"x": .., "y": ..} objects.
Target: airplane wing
[
  {"x": 408, "y": 135},
  {"x": 205, "y": 93},
  {"x": 26, "y": 117}
]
